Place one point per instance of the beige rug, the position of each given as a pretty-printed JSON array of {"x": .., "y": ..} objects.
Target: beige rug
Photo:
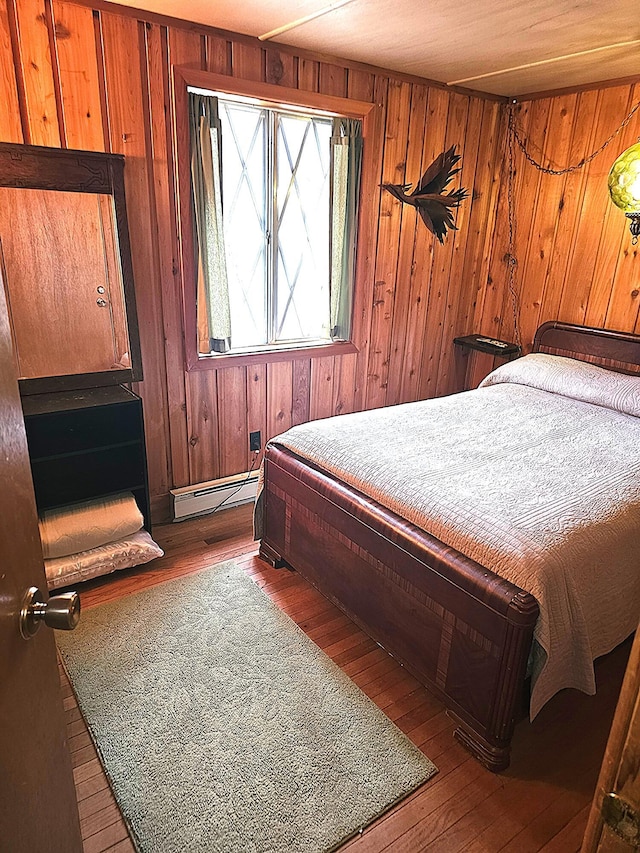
[{"x": 223, "y": 727}]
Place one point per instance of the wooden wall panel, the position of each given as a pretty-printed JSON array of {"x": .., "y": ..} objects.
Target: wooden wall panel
[
  {"x": 218, "y": 55},
  {"x": 446, "y": 271},
  {"x": 279, "y": 397},
  {"x": 321, "y": 390},
  {"x": 417, "y": 346},
  {"x": 485, "y": 187},
  {"x": 389, "y": 230},
  {"x": 595, "y": 206},
  {"x": 71, "y": 75},
  {"x": 10, "y": 117},
  {"x": 202, "y": 418},
  {"x": 406, "y": 258},
  {"x": 129, "y": 122},
  {"x": 110, "y": 85},
  {"x": 463, "y": 243},
  {"x": 160, "y": 50},
  {"x": 575, "y": 260},
  {"x": 79, "y": 76},
  {"x": 567, "y": 213},
  {"x": 233, "y": 434},
  {"x": 301, "y": 378},
  {"x": 256, "y": 408},
  {"x": 31, "y": 27}
]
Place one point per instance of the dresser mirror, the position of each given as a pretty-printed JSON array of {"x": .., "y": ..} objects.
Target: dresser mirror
[{"x": 65, "y": 263}]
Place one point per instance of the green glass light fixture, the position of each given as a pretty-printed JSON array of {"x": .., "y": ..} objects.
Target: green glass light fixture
[{"x": 624, "y": 187}]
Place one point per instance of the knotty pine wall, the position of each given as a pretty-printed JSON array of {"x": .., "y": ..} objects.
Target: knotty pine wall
[
  {"x": 575, "y": 260},
  {"x": 99, "y": 79},
  {"x": 75, "y": 76}
]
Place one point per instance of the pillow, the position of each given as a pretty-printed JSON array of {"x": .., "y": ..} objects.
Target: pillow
[
  {"x": 571, "y": 378},
  {"x": 88, "y": 525},
  {"x": 130, "y": 551}
]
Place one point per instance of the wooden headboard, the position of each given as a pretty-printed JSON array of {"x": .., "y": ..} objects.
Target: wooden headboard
[{"x": 619, "y": 351}]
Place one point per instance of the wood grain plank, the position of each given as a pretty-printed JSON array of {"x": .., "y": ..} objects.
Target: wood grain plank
[
  {"x": 481, "y": 224},
  {"x": 544, "y": 228},
  {"x": 308, "y": 74},
  {"x": 361, "y": 85},
  {"x": 368, "y": 227},
  {"x": 281, "y": 68},
  {"x": 569, "y": 206},
  {"x": 623, "y": 305},
  {"x": 256, "y": 409},
  {"x": 593, "y": 207},
  {"x": 321, "y": 393},
  {"x": 408, "y": 235},
  {"x": 247, "y": 61},
  {"x": 301, "y": 391},
  {"x": 162, "y": 49},
  {"x": 218, "y": 54},
  {"x": 344, "y": 384},
  {"x": 106, "y": 837},
  {"x": 415, "y": 343},
  {"x": 510, "y": 327},
  {"x": 279, "y": 397},
  {"x": 442, "y": 261},
  {"x": 36, "y": 69},
  {"x": 232, "y": 414},
  {"x": 569, "y": 839},
  {"x": 614, "y": 238},
  {"x": 10, "y": 117},
  {"x": 333, "y": 79},
  {"x": 491, "y": 298},
  {"x": 127, "y": 97},
  {"x": 186, "y": 48},
  {"x": 462, "y": 243},
  {"x": 391, "y": 213},
  {"x": 202, "y": 424},
  {"x": 79, "y": 76}
]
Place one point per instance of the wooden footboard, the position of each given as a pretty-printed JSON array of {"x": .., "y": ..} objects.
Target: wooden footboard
[{"x": 459, "y": 628}]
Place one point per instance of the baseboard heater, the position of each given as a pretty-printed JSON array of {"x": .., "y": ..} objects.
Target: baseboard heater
[{"x": 207, "y": 497}]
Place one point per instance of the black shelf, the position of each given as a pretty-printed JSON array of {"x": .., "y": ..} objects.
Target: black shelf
[
  {"x": 87, "y": 444},
  {"x": 484, "y": 343}
]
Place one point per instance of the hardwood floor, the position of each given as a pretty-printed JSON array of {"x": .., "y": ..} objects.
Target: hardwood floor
[{"x": 540, "y": 803}]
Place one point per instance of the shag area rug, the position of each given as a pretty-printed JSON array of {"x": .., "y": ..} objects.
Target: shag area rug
[{"x": 222, "y": 727}]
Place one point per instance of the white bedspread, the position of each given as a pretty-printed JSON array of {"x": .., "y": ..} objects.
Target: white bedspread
[{"x": 540, "y": 487}]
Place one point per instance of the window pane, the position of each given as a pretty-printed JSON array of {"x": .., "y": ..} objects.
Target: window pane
[
  {"x": 244, "y": 186},
  {"x": 302, "y": 204}
]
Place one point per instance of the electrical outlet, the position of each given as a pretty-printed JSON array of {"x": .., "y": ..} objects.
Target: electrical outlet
[{"x": 255, "y": 440}]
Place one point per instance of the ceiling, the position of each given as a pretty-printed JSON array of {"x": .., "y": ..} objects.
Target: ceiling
[{"x": 505, "y": 47}]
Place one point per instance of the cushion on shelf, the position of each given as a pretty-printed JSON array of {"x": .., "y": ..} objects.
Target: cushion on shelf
[{"x": 70, "y": 530}]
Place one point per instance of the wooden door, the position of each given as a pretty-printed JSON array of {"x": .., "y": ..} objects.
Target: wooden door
[
  {"x": 63, "y": 283},
  {"x": 620, "y": 772},
  {"x": 38, "y": 809}
]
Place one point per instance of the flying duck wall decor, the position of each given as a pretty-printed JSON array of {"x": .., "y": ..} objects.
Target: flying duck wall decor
[{"x": 434, "y": 206}]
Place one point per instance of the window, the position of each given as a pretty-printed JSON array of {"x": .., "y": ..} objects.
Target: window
[{"x": 275, "y": 192}]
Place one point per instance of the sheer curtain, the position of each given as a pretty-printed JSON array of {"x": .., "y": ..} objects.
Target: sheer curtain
[
  {"x": 346, "y": 160},
  {"x": 214, "y": 328}
]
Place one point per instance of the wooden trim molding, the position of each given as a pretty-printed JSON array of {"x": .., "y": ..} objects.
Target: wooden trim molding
[
  {"x": 212, "y": 362},
  {"x": 278, "y": 96}
]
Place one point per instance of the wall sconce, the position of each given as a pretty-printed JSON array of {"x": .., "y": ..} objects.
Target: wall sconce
[{"x": 624, "y": 187}]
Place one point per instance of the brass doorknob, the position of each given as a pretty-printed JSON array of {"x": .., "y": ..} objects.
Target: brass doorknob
[{"x": 60, "y": 611}]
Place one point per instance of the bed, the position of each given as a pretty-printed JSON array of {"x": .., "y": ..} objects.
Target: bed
[{"x": 437, "y": 591}]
